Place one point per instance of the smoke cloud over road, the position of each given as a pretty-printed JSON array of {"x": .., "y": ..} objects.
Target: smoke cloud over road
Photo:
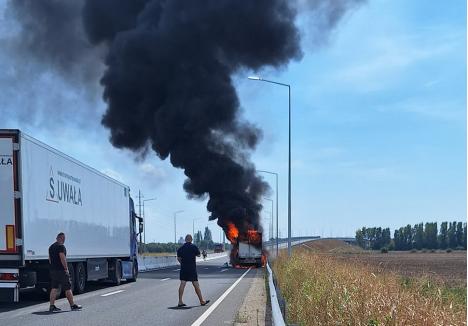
[{"x": 168, "y": 79}]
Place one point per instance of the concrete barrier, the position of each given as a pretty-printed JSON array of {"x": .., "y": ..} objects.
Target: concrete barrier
[{"x": 147, "y": 263}]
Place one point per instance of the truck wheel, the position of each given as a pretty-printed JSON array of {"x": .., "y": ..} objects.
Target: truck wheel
[
  {"x": 134, "y": 272},
  {"x": 71, "y": 269},
  {"x": 80, "y": 278},
  {"x": 116, "y": 272}
]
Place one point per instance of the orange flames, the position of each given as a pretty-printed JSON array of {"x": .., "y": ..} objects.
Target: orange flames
[
  {"x": 232, "y": 232},
  {"x": 254, "y": 237}
]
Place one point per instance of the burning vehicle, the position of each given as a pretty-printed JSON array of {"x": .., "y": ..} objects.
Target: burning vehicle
[
  {"x": 247, "y": 249},
  {"x": 250, "y": 250}
]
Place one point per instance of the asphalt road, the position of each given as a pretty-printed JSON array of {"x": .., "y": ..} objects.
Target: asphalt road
[{"x": 152, "y": 300}]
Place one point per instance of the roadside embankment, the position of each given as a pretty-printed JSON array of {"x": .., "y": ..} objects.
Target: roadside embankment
[{"x": 321, "y": 289}]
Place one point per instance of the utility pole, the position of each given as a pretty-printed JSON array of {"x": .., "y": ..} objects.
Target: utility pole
[
  {"x": 144, "y": 217},
  {"x": 139, "y": 214}
]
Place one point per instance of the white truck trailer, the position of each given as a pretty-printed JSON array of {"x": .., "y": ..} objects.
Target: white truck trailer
[
  {"x": 44, "y": 192},
  {"x": 250, "y": 251}
]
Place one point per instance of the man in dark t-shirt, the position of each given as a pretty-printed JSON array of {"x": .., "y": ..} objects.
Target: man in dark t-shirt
[
  {"x": 186, "y": 255},
  {"x": 59, "y": 274}
]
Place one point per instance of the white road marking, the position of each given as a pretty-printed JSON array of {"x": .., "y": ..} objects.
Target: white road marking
[
  {"x": 207, "y": 268},
  {"x": 223, "y": 270},
  {"x": 205, "y": 315},
  {"x": 111, "y": 293},
  {"x": 165, "y": 279},
  {"x": 176, "y": 270}
]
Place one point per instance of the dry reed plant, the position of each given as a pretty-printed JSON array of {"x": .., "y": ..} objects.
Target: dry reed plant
[{"x": 320, "y": 290}]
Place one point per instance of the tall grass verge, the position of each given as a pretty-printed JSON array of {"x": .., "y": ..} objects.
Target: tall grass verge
[{"x": 321, "y": 290}]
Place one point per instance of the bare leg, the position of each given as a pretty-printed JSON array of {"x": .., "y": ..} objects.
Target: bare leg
[
  {"x": 181, "y": 291},
  {"x": 196, "y": 285},
  {"x": 53, "y": 295},
  {"x": 69, "y": 296}
]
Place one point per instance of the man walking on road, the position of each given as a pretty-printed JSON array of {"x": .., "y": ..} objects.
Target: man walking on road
[
  {"x": 186, "y": 255},
  {"x": 59, "y": 273}
]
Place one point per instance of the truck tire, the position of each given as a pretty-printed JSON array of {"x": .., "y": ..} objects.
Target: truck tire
[
  {"x": 71, "y": 270},
  {"x": 134, "y": 272},
  {"x": 80, "y": 278},
  {"x": 116, "y": 272}
]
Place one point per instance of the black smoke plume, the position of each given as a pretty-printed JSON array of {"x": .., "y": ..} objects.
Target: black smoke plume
[
  {"x": 168, "y": 81},
  {"x": 51, "y": 33},
  {"x": 168, "y": 84}
]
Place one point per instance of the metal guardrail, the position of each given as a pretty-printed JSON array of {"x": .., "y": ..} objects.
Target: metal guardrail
[{"x": 277, "y": 315}]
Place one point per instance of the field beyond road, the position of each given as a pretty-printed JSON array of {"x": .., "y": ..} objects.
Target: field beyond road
[
  {"x": 448, "y": 267},
  {"x": 330, "y": 282}
]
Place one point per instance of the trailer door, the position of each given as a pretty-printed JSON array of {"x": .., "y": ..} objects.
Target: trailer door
[
  {"x": 10, "y": 259},
  {"x": 7, "y": 196}
]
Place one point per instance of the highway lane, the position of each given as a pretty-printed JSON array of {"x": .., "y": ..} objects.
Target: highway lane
[{"x": 151, "y": 300}]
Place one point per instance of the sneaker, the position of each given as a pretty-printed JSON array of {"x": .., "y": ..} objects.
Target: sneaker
[
  {"x": 53, "y": 308},
  {"x": 76, "y": 307}
]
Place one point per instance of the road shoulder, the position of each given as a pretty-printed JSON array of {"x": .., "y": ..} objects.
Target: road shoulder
[{"x": 255, "y": 307}]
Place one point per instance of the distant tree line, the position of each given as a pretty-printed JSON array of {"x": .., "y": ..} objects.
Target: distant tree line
[
  {"x": 451, "y": 235},
  {"x": 205, "y": 240},
  {"x": 158, "y": 247},
  {"x": 202, "y": 241}
]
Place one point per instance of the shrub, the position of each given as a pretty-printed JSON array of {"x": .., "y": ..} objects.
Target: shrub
[
  {"x": 384, "y": 250},
  {"x": 448, "y": 250}
]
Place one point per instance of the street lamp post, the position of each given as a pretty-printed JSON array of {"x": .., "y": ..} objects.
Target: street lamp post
[
  {"x": 289, "y": 154},
  {"x": 271, "y": 223},
  {"x": 175, "y": 229},
  {"x": 277, "y": 225},
  {"x": 144, "y": 218}
]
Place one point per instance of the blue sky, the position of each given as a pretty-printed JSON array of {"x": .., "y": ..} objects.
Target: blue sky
[{"x": 379, "y": 126}]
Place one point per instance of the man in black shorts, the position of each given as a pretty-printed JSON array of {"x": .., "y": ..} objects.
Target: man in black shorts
[
  {"x": 188, "y": 269},
  {"x": 59, "y": 274}
]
